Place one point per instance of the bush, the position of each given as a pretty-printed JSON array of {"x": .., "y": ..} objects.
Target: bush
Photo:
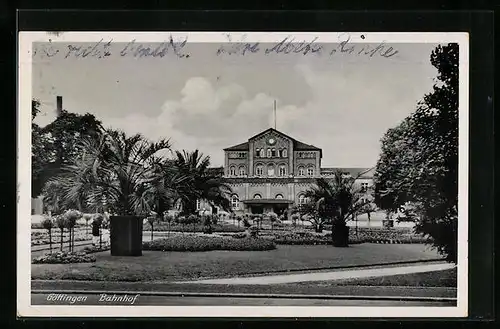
[
  {"x": 365, "y": 235},
  {"x": 64, "y": 257},
  {"x": 163, "y": 227},
  {"x": 94, "y": 249},
  {"x": 206, "y": 243}
]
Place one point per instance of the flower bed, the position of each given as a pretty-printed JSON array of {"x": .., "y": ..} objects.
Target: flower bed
[
  {"x": 94, "y": 249},
  {"x": 366, "y": 235},
  {"x": 64, "y": 257},
  {"x": 189, "y": 228},
  {"x": 207, "y": 243},
  {"x": 40, "y": 237}
]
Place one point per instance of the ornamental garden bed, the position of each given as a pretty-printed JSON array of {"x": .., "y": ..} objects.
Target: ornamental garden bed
[
  {"x": 190, "y": 228},
  {"x": 380, "y": 236},
  {"x": 64, "y": 257},
  {"x": 41, "y": 237},
  {"x": 208, "y": 243}
]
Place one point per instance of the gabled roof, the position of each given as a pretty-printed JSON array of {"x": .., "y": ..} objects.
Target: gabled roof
[
  {"x": 354, "y": 172},
  {"x": 217, "y": 171},
  {"x": 239, "y": 147},
  {"x": 297, "y": 145}
]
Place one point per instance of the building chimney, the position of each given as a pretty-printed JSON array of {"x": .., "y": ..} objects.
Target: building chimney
[{"x": 59, "y": 105}]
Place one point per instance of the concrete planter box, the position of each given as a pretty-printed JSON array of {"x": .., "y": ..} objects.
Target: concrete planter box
[
  {"x": 340, "y": 235},
  {"x": 126, "y": 236}
]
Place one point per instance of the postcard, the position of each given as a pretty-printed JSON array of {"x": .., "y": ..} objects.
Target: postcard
[{"x": 242, "y": 174}]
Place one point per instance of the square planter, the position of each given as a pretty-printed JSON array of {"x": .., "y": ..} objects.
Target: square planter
[
  {"x": 126, "y": 236},
  {"x": 340, "y": 235}
]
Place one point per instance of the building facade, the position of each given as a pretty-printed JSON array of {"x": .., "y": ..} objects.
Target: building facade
[{"x": 271, "y": 171}]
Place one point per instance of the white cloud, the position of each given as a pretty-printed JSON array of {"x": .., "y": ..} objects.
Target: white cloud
[{"x": 349, "y": 111}]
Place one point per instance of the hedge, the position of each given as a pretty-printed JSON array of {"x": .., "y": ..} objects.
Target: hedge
[
  {"x": 208, "y": 243},
  {"x": 64, "y": 257},
  {"x": 189, "y": 228}
]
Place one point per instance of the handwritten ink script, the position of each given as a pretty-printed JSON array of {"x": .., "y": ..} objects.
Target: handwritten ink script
[
  {"x": 290, "y": 45},
  {"x": 103, "y": 49},
  {"x": 179, "y": 48}
]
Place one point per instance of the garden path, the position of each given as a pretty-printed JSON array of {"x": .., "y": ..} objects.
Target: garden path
[{"x": 327, "y": 276}]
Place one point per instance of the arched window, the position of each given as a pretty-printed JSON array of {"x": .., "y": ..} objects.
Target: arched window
[
  {"x": 301, "y": 171},
  {"x": 273, "y": 153},
  {"x": 270, "y": 170},
  {"x": 302, "y": 199},
  {"x": 235, "y": 201},
  {"x": 232, "y": 171},
  {"x": 257, "y": 153},
  {"x": 261, "y": 153},
  {"x": 310, "y": 171},
  {"x": 259, "y": 170},
  {"x": 279, "y": 196},
  {"x": 257, "y": 196},
  {"x": 282, "y": 170},
  {"x": 284, "y": 153},
  {"x": 268, "y": 153},
  {"x": 242, "y": 171}
]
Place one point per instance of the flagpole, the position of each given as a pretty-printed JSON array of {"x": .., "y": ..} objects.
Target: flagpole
[{"x": 274, "y": 114}]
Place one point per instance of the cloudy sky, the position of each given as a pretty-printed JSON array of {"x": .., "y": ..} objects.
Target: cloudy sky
[{"x": 342, "y": 103}]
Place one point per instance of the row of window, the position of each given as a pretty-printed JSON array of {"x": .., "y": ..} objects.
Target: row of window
[
  {"x": 306, "y": 155},
  {"x": 259, "y": 171},
  {"x": 271, "y": 153},
  {"x": 235, "y": 201}
]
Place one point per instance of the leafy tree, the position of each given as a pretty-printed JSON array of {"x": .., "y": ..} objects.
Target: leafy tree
[
  {"x": 419, "y": 159},
  {"x": 71, "y": 216},
  {"x": 48, "y": 224},
  {"x": 192, "y": 219},
  {"x": 87, "y": 218},
  {"x": 61, "y": 224},
  {"x": 152, "y": 219},
  {"x": 57, "y": 144},
  {"x": 168, "y": 218}
]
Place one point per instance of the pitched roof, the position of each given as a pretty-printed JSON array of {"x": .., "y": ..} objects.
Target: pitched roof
[
  {"x": 216, "y": 171},
  {"x": 303, "y": 146},
  {"x": 297, "y": 145},
  {"x": 354, "y": 172},
  {"x": 239, "y": 147}
]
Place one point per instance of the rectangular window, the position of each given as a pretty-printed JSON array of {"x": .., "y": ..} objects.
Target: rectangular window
[
  {"x": 273, "y": 153},
  {"x": 268, "y": 153}
]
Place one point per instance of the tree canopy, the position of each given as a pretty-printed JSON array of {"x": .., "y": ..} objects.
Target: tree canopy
[
  {"x": 57, "y": 144},
  {"x": 419, "y": 158}
]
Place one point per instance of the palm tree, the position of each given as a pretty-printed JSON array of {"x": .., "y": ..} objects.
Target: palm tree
[
  {"x": 124, "y": 173},
  {"x": 335, "y": 200},
  {"x": 202, "y": 183}
]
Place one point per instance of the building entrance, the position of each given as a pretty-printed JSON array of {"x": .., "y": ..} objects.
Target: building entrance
[{"x": 257, "y": 209}]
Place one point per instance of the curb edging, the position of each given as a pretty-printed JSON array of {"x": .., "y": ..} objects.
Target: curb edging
[{"x": 243, "y": 295}]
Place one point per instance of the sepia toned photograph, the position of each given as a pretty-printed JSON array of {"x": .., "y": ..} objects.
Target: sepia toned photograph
[{"x": 242, "y": 174}]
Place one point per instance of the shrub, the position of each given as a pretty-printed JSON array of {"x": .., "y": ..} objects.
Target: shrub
[
  {"x": 163, "y": 227},
  {"x": 64, "y": 258},
  {"x": 206, "y": 243},
  {"x": 94, "y": 249}
]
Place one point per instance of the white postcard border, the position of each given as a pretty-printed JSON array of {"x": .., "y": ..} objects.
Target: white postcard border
[{"x": 24, "y": 307}]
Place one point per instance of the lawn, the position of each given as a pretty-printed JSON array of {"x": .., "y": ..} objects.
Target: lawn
[
  {"x": 445, "y": 278},
  {"x": 174, "y": 266}
]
